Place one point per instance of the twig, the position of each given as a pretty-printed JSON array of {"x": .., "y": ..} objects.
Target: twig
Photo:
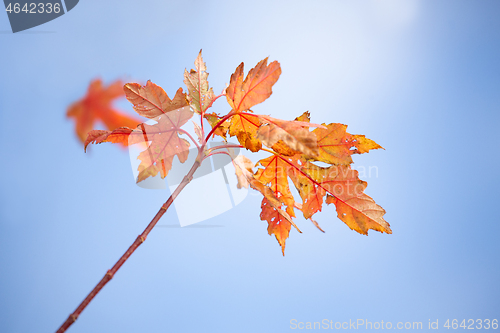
[{"x": 139, "y": 240}]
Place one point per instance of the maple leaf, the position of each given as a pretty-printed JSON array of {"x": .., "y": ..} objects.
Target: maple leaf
[
  {"x": 336, "y": 145},
  {"x": 165, "y": 143},
  {"x": 277, "y": 223},
  {"x": 256, "y": 88},
  {"x": 151, "y": 101},
  {"x": 275, "y": 173},
  {"x": 214, "y": 119},
  {"x": 243, "y": 170},
  {"x": 164, "y": 137},
  {"x": 294, "y": 134},
  {"x": 360, "y": 213},
  {"x": 97, "y": 106},
  {"x": 200, "y": 95},
  {"x": 244, "y": 127},
  {"x": 283, "y": 149},
  {"x": 243, "y": 94},
  {"x": 244, "y": 173},
  {"x": 345, "y": 190},
  {"x": 119, "y": 135}
]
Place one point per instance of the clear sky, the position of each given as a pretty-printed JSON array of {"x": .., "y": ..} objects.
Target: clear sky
[{"x": 421, "y": 78}]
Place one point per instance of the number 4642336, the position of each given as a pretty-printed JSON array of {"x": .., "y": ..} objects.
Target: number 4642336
[
  {"x": 472, "y": 324},
  {"x": 34, "y": 8}
]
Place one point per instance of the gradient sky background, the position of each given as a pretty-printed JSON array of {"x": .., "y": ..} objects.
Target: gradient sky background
[{"x": 421, "y": 78}]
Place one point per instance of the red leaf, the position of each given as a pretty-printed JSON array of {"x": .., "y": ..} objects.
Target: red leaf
[{"x": 97, "y": 106}]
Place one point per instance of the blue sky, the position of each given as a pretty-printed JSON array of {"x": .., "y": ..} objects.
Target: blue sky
[{"x": 421, "y": 78}]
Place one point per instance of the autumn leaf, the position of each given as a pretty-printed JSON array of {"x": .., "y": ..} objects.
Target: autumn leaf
[
  {"x": 282, "y": 148},
  {"x": 336, "y": 145},
  {"x": 165, "y": 143},
  {"x": 256, "y": 88},
  {"x": 311, "y": 193},
  {"x": 277, "y": 223},
  {"x": 244, "y": 127},
  {"x": 360, "y": 213},
  {"x": 243, "y": 169},
  {"x": 214, "y": 119},
  {"x": 96, "y": 106},
  {"x": 305, "y": 117},
  {"x": 246, "y": 178},
  {"x": 243, "y": 94},
  {"x": 345, "y": 190},
  {"x": 119, "y": 135},
  {"x": 295, "y": 134},
  {"x": 152, "y": 101},
  {"x": 200, "y": 95},
  {"x": 164, "y": 137},
  {"x": 274, "y": 173}
]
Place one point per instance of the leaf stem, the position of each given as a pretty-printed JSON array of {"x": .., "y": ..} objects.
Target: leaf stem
[
  {"x": 223, "y": 147},
  {"x": 139, "y": 240},
  {"x": 220, "y": 152},
  {"x": 213, "y": 100},
  {"x": 189, "y": 135},
  {"x": 227, "y": 116}
]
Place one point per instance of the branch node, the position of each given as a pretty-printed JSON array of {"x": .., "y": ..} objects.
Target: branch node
[{"x": 110, "y": 274}]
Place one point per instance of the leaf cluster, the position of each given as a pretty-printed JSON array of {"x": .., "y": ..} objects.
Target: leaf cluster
[{"x": 294, "y": 146}]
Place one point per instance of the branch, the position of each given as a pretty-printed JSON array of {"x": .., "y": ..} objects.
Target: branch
[{"x": 139, "y": 240}]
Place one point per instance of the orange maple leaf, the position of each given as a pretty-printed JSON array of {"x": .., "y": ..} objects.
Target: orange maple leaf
[
  {"x": 97, "y": 106},
  {"x": 244, "y": 127},
  {"x": 274, "y": 174},
  {"x": 164, "y": 135},
  {"x": 345, "y": 190},
  {"x": 243, "y": 94},
  {"x": 277, "y": 223},
  {"x": 256, "y": 88},
  {"x": 152, "y": 101},
  {"x": 336, "y": 145},
  {"x": 220, "y": 129}
]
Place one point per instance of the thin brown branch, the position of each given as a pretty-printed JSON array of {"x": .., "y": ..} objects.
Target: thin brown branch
[{"x": 139, "y": 240}]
